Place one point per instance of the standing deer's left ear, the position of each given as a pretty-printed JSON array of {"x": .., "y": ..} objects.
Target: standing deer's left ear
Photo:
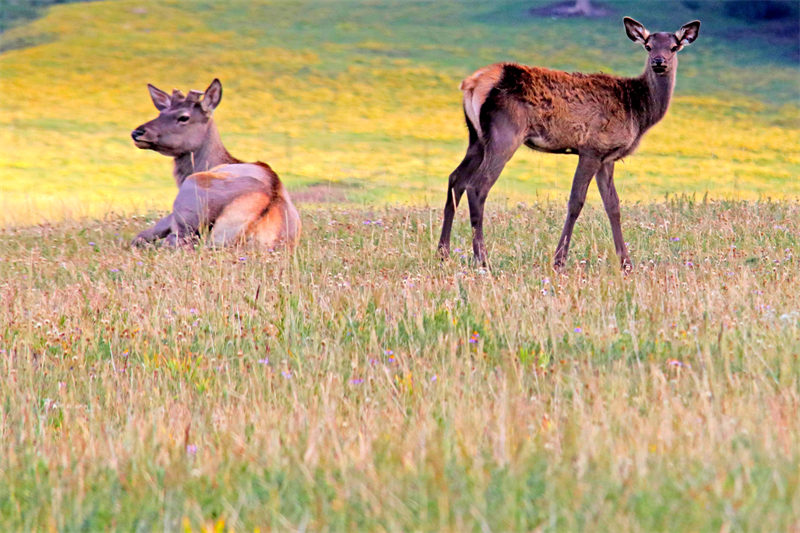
[
  {"x": 636, "y": 32},
  {"x": 212, "y": 96},
  {"x": 688, "y": 32}
]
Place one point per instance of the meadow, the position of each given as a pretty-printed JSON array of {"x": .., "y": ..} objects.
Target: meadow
[
  {"x": 360, "y": 383},
  {"x": 365, "y": 385}
]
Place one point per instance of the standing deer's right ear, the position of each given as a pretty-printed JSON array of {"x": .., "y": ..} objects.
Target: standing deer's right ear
[
  {"x": 636, "y": 32},
  {"x": 160, "y": 99}
]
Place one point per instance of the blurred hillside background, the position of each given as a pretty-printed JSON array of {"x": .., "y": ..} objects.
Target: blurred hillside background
[{"x": 358, "y": 101}]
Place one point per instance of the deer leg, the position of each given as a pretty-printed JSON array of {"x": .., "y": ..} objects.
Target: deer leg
[
  {"x": 455, "y": 189},
  {"x": 588, "y": 166},
  {"x": 158, "y": 231},
  {"x": 504, "y": 139},
  {"x": 187, "y": 218},
  {"x": 608, "y": 191}
]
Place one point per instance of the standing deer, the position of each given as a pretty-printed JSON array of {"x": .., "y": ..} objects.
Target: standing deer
[
  {"x": 238, "y": 201},
  {"x": 600, "y": 118}
]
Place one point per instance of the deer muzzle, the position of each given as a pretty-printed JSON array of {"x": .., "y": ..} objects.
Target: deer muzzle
[{"x": 659, "y": 65}]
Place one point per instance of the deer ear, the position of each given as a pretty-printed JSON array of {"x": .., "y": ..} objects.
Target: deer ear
[
  {"x": 212, "y": 96},
  {"x": 636, "y": 32},
  {"x": 160, "y": 99},
  {"x": 688, "y": 32}
]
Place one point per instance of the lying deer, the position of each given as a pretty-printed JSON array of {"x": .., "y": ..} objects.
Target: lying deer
[
  {"x": 238, "y": 201},
  {"x": 600, "y": 118}
]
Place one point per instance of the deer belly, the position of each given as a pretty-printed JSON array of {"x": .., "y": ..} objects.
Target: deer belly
[{"x": 542, "y": 144}]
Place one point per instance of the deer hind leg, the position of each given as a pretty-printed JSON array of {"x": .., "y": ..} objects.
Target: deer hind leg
[
  {"x": 588, "y": 165},
  {"x": 455, "y": 189},
  {"x": 504, "y": 138},
  {"x": 233, "y": 223},
  {"x": 608, "y": 191}
]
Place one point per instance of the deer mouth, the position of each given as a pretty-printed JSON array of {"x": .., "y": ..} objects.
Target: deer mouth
[
  {"x": 142, "y": 143},
  {"x": 659, "y": 69}
]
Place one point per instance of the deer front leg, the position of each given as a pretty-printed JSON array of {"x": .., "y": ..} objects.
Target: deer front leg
[
  {"x": 160, "y": 230},
  {"x": 588, "y": 166},
  {"x": 608, "y": 191},
  {"x": 189, "y": 214}
]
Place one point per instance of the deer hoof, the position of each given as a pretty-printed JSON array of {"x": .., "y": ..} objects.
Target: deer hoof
[
  {"x": 626, "y": 264},
  {"x": 139, "y": 242},
  {"x": 443, "y": 252}
]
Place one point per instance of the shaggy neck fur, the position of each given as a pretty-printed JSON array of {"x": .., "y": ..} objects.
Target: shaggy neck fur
[{"x": 210, "y": 154}]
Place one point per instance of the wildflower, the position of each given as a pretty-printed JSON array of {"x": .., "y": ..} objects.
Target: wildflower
[
  {"x": 242, "y": 259},
  {"x": 264, "y": 361},
  {"x": 392, "y": 359},
  {"x": 675, "y": 239},
  {"x": 91, "y": 243},
  {"x": 474, "y": 338},
  {"x": 577, "y": 330},
  {"x": 191, "y": 449},
  {"x": 373, "y": 361},
  {"x": 193, "y": 311},
  {"x": 114, "y": 270},
  {"x": 457, "y": 250},
  {"x": 356, "y": 381},
  {"x": 678, "y": 364},
  {"x": 139, "y": 263},
  {"x": 286, "y": 374},
  {"x": 433, "y": 378},
  {"x": 388, "y": 352}
]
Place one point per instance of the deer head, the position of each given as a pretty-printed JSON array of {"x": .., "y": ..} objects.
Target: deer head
[
  {"x": 183, "y": 123},
  {"x": 662, "y": 47}
]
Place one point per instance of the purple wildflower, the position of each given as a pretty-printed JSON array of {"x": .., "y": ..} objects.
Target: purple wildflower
[
  {"x": 191, "y": 449},
  {"x": 356, "y": 381},
  {"x": 264, "y": 361}
]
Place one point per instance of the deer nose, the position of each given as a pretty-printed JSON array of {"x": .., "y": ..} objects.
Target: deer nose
[
  {"x": 658, "y": 61},
  {"x": 138, "y": 132}
]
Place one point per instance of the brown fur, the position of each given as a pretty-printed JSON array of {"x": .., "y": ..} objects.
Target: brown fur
[
  {"x": 600, "y": 118},
  {"x": 238, "y": 201}
]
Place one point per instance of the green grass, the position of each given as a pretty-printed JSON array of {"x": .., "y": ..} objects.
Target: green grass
[
  {"x": 664, "y": 400},
  {"x": 366, "y": 94}
]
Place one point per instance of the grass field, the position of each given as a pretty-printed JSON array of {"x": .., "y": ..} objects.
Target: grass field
[
  {"x": 362, "y": 384},
  {"x": 365, "y": 385}
]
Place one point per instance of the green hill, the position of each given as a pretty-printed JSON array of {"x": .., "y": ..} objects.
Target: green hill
[{"x": 362, "y": 97}]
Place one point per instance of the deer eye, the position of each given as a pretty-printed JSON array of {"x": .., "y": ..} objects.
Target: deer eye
[
  {"x": 183, "y": 119},
  {"x": 648, "y": 47},
  {"x": 674, "y": 49}
]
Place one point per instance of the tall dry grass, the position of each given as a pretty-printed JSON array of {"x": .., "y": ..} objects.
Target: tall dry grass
[{"x": 361, "y": 384}]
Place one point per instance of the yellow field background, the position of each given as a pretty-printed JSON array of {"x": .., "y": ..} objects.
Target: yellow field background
[{"x": 359, "y": 102}]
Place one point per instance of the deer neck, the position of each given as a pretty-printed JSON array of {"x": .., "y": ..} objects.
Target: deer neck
[
  {"x": 210, "y": 154},
  {"x": 659, "y": 89}
]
